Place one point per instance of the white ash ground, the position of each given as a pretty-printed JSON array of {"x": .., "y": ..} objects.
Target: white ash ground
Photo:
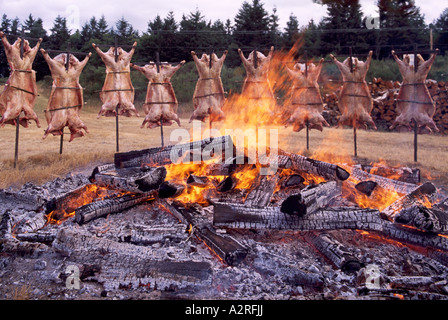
[{"x": 273, "y": 268}]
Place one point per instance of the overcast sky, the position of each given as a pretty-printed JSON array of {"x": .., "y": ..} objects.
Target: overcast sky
[{"x": 138, "y": 12}]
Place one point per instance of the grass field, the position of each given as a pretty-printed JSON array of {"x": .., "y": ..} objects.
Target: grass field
[{"x": 40, "y": 161}]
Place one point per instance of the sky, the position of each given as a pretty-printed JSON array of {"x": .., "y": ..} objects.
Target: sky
[{"x": 139, "y": 12}]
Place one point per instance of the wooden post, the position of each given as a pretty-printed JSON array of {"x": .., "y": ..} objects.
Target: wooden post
[
  {"x": 415, "y": 139},
  {"x": 117, "y": 128},
  {"x": 161, "y": 118},
  {"x": 255, "y": 59},
  {"x": 116, "y": 49},
  {"x": 210, "y": 115},
  {"x": 161, "y": 132},
  {"x": 355, "y": 142},
  {"x": 61, "y": 143},
  {"x": 16, "y": 148},
  {"x": 307, "y": 135}
]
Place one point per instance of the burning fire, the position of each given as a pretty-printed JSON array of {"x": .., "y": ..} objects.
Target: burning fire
[{"x": 80, "y": 197}]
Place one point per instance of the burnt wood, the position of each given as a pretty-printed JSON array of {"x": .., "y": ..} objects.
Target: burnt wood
[
  {"x": 423, "y": 218},
  {"x": 231, "y": 215},
  {"x": 261, "y": 195},
  {"x": 358, "y": 175},
  {"x": 197, "y": 181},
  {"x": 138, "y": 179},
  {"x": 189, "y": 152},
  {"x": 170, "y": 189},
  {"x": 366, "y": 187},
  {"x": 326, "y": 170},
  {"x": 112, "y": 205},
  {"x": 225, "y": 246},
  {"x": 334, "y": 251},
  {"x": 126, "y": 264},
  {"x": 404, "y": 174},
  {"x": 227, "y": 184},
  {"x": 424, "y": 192}
]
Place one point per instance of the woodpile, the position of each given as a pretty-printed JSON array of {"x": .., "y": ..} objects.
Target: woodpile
[{"x": 384, "y": 93}]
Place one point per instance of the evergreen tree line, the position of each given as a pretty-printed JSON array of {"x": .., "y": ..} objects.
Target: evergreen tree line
[{"x": 344, "y": 26}]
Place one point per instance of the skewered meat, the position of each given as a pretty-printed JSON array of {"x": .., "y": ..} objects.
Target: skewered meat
[
  {"x": 20, "y": 91},
  {"x": 208, "y": 97},
  {"x": 117, "y": 89},
  {"x": 305, "y": 101},
  {"x": 414, "y": 101},
  {"x": 256, "y": 86},
  {"x": 161, "y": 104},
  {"x": 66, "y": 97},
  {"x": 355, "y": 101}
]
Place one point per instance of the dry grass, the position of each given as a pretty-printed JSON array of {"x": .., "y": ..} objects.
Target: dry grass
[{"x": 39, "y": 160}]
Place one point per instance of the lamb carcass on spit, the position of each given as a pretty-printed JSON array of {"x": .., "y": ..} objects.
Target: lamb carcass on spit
[
  {"x": 256, "y": 87},
  {"x": 161, "y": 103},
  {"x": 305, "y": 103},
  {"x": 20, "y": 91},
  {"x": 208, "y": 97},
  {"x": 117, "y": 89},
  {"x": 414, "y": 103},
  {"x": 355, "y": 101},
  {"x": 66, "y": 97}
]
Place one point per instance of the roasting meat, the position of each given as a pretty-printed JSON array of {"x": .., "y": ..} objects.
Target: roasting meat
[
  {"x": 355, "y": 101},
  {"x": 66, "y": 97},
  {"x": 117, "y": 89},
  {"x": 256, "y": 86},
  {"x": 305, "y": 105},
  {"x": 208, "y": 97},
  {"x": 20, "y": 91},
  {"x": 414, "y": 103},
  {"x": 161, "y": 104}
]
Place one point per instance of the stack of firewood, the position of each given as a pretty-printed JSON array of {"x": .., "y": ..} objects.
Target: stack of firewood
[{"x": 384, "y": 93}]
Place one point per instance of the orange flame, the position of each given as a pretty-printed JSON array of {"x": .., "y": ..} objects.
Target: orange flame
[{"x": 79, "y": 198}]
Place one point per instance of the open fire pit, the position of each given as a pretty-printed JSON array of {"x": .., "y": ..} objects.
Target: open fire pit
[{"x": 145, "y": 227}]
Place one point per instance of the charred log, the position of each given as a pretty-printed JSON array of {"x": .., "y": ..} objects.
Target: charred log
[
  {"x": 226, "y": 184},
  {"x": 293, "y": 181},
  {"x": 414, "y": 236},
  {"x": 366, "y": 187},
  {"x": 416, "y": 197},
  {"x": 326, "y": 170},
  {"x": 404, "y": 174},
  {"x": 113, "y": 205},
  {"x": 124, "y": 264},
  {"x": 423, "y": 218},
  {"x": 170, "y": 189},
  {"x": 357, "y": 175},
  {"x": 334, "y": 251},
  {"x": 14, "y": 200},
  {"x": 261, "y": 195},
  {"x": 241, "y": 217},
  {"x": 196, "y": 151},
  {"x": 197, "y": 181},
  {"x": 277, "y": 161},
  {"x": 226, "y": 247},
  {"x": 138, "y": 180},
  {"x": 45, "y": 237},
  {"x": 310, "y": 199},
  {"x": 156, "y": 234}
]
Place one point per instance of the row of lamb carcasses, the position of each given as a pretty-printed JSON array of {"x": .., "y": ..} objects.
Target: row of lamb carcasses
[{"x": 303, "y": 107}]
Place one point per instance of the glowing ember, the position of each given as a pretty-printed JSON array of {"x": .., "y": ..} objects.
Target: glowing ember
[{"x": 80, "y": 197}]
